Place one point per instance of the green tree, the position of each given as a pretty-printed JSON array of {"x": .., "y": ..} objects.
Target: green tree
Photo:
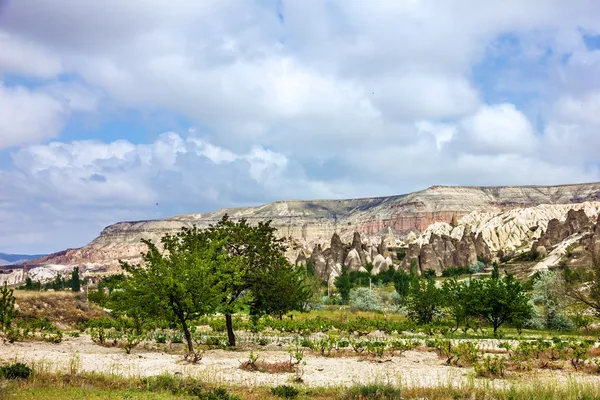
[
  {"x": 75, "y": 282},
  {"x": 461, "y": 299},
  {"x": 343, "y": 285},
  {"x": 424, "y": 300},
  {"x": 7, "y": 307},
  {"x": 502, "y": 300},
  {"x": 402, "y": 284},
  {"x": 175, "y": 285},
  {"x": 584, "y": 287},
  {"x": 279, "y": 291},
  {"x": 253, "y": 262}
]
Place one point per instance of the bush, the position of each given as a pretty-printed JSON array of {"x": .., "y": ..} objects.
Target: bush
[
  {"x": 217, "y": 394},
  {"x": 476, "y": 267},
  {"x": 15, "y": 371},
  {"x": 377, "y": 391},
  {"x": 455, "y": 271},
  {"x": 285, "y": 391},
  {"x": 362, "y": 299}
]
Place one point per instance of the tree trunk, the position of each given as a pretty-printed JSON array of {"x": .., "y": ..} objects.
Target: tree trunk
[
  {"x": 230, "y": 334},
  {"x": 188, "y": 336}
]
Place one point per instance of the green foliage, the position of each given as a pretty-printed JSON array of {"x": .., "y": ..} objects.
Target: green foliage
[
  {"x": 528, "y": 256},
  {"x": 424, "y": 300},
  {"x": 31, "y": 285},
  {"x": 75, "y": 281},
  {"x": 375, "y": 391},
  {"x": 15, "y": 371},
  {"x": 285, "y": 391},
  {"x": 280, "y": 290},
  {"x": 428, "y": 274},
  {"x": 583, "y": 286},
  {"x": 217, "y": 394},
  {"x": 363, "y": 299},
  {"x": 221, "y": 268},
  {"x": 343, "y": 284},
  {"x": 451, "y": 272},
  {"x": 402, "y": 285},
  {"x": 175, "y": 286},
  {"x": 7, "y": 307},
  {"x": 401, "y": 253},
  {"x": 491, "y": 366},
  {"x": 476, "y": 267}
]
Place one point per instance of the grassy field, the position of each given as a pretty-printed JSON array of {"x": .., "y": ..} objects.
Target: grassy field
[{"x": 94, "y": 386}]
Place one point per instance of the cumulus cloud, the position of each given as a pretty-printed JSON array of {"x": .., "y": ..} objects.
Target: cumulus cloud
[{"x": 28, "y": 116}]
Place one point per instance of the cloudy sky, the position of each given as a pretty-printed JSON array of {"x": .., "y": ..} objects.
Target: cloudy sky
[{"x": 122, "y": 110}]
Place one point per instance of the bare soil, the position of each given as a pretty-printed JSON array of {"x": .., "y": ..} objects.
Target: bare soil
[{"x": 412, "y": 369}]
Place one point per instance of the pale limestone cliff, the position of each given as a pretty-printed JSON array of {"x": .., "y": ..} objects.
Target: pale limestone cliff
[{"x": 487, "y": 210}]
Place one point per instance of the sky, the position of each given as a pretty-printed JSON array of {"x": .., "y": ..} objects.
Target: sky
[{"x": 125, "y": 110}]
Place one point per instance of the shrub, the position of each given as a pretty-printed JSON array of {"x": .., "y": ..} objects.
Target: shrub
[
  {"x": 476, "y": 267},
  {"x": 217, "y": 394},
  {"x": 376, "y": 391},
  {"x": 455, "y": 271},
  {"x": 491, "y": 367},
  {"x": 285, "y": 391},
  {"x": 15, "y": 371},
  {"x": 362, "y": 299}
]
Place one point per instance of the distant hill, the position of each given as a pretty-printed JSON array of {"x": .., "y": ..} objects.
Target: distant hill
[{"x": 10, "y": 259}]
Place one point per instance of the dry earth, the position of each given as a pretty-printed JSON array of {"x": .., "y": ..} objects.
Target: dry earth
[{"x": 414, "y": 368}]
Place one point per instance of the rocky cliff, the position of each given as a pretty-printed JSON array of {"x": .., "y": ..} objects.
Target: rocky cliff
[{"x": 312, "y": 223}]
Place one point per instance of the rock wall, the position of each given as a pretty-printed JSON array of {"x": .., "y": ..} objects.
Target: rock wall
[{"x": 393, "y": 219}]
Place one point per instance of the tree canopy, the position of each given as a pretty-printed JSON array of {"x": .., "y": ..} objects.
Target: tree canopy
[{"x": 218, "y": 269}]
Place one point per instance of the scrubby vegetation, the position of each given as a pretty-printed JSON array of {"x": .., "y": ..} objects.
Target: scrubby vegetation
[{"x": 230, "y": 286}]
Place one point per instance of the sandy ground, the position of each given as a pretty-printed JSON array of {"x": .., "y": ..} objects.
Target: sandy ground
[{"x": 413, "y": 368}]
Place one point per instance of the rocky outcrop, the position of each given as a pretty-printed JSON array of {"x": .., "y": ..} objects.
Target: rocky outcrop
[
  {"x": 495, "y": 212},
  {"x": 319, "y": 261},
  {"x": 353, "y": 262},
  {"x": 575, "y": 222},
  {"x": 444, "y": 251},
  {"x": 301, "y": 259}
]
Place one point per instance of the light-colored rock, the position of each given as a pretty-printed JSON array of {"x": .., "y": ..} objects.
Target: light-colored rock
[
  {"x": 379, "y": 264},
  {"x": 353, "y": 262},
  {"x": 503, "y": 215}
]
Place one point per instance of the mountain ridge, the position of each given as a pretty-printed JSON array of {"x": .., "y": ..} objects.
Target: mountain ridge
[{"x": 311, "y": 222}]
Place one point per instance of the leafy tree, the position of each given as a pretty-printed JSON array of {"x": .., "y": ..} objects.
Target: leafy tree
[
  {"x": 502, "y": 300},
  {"x": 7, "y": 307},
  {"x": 175, "y": 285},
  {"x": 252, "y": 263},
  {"x": 75, "y": 282},
  {"x": 402, "y": 284},
  {"x": 343, "y": 285},
  {"x": 280, "y": 291},
  {"x": 461, "y": 299},
  {"x": 549, "y": 295},
  {"x": 583, "y": 287},
  {"x": 424, "y": 300}
]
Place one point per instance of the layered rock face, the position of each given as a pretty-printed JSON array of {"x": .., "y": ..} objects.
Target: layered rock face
[
  {"x": 313, "y": 223},
  {"x": 355, "y": 257}
]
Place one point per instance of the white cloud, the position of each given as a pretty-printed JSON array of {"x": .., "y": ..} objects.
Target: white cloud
[
  {"x": 497, "y": 129},
  {"x": 29, "y": 116},
  {"x": 340, "y": 99},
  {"x": 23, "y": 57}
]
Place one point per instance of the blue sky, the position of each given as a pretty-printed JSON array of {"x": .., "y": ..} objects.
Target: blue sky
[{"x": 116, "y": 110}]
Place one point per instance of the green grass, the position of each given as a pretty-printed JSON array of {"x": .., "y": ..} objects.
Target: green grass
[{"x": 81, "y": 393}]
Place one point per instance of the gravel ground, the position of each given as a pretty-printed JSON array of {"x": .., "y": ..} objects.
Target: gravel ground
[{"x": 413, "y": 368}]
